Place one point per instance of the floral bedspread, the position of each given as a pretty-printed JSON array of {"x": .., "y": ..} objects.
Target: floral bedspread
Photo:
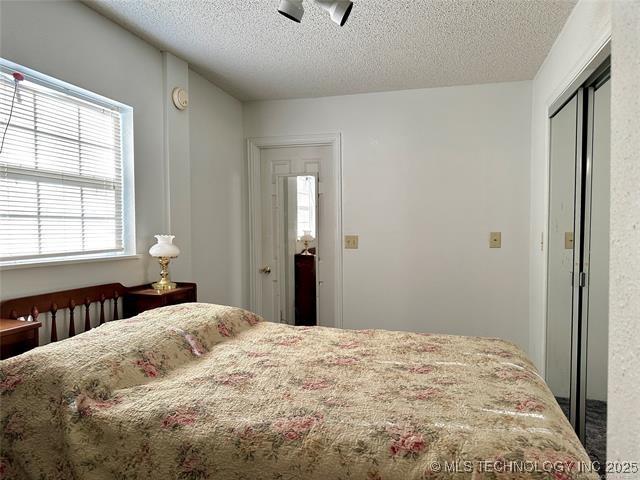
[{"x": 199, "y": 391}]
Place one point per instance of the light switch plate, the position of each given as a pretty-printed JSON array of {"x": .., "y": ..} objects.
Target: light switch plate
[
  {"x": 351, "y": 242},
  {"x": 568, "y": 240},
  {"x": 495, "y": 240}
]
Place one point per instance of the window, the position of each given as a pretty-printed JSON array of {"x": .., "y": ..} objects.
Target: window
[
  {"x": 62, "y": 185},
  {"x": 306, "y": 205}
]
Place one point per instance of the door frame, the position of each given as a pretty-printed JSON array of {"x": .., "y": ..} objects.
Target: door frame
[{"x": 254, "y": 146}]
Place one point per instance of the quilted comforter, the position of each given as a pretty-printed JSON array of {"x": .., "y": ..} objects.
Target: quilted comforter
[{"x": 199, "y": 391}]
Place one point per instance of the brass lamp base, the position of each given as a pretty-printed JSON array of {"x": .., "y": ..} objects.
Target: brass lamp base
[
  {"x": 306, "y": 248},
  {"x": 163, "y": 286},
  {"x": 164, "y": 283}
]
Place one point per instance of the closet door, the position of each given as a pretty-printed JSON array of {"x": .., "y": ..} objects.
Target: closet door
[
  {"x": 562, "y": 192},
  {"x": 596, "y": 264},
  {"x": 578, "y": 259}
]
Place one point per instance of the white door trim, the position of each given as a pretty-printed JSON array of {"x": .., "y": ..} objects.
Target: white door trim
[{"x": 254, "y": 145}]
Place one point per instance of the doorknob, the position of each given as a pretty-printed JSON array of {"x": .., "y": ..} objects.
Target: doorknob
[{"x": 266, "y": 270}]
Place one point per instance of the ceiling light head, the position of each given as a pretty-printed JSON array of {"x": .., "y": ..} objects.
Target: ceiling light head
[
  {"x": 339, "y": 10},
  {"x": 292, "y": 9}
]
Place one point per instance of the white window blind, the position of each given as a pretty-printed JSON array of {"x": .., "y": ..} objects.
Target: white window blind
[{"x": 61, "y": 181}]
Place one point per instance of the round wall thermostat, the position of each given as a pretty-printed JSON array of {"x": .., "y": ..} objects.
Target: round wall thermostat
[{"x": 180, "y": 98}]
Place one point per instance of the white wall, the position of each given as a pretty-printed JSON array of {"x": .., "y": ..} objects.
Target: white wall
[
  {"x": 218, "y": 194},
  {"x": 69, "y": 41},
  {"x": 624, "y": 299},
  {"x": 427, "y": 174},
  {"x": 586, "y": 30}
]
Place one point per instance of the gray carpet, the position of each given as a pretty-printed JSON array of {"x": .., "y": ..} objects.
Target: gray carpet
[{"x": 596, "y": 429}]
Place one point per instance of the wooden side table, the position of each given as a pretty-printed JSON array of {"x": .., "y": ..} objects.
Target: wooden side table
[
  {"x": 305, "y": 289},
  {"x": 17, "y": 336},
  {"x": 139, "y": 299}
]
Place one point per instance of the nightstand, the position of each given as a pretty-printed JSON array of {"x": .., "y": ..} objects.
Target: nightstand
[
  {"x": 139, "y": 299},
  {"x": 17, "y": 336}
]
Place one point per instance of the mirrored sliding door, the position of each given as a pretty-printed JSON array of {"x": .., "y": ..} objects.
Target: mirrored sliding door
[
  {"x": 578, "y": 259},
  {"x": 593, "y": 428},
  {"x": 562, "y": 176}
]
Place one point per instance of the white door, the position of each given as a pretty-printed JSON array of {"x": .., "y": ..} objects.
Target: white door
[{"x": 277, "y": 167}]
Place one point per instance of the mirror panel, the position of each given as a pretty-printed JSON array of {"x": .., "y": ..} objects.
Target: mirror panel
[
  {"x": 598, "y": 267},
  {"x": 560, "y": 250},
  {"x": 300, "y": 249}
]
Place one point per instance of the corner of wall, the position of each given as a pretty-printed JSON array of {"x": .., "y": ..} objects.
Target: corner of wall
[
  {"x": 177, "y": 163},
  {"x": 624, "y": 268}
]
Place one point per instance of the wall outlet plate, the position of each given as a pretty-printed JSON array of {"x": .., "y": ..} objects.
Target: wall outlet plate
[
  {"x": 568, "y": 240},
  {"x": 495, "y": 240},
  {"x": 351, "y": 242}
]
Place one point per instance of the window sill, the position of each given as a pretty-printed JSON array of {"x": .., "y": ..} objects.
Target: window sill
[{"x": 55, "y": 262}]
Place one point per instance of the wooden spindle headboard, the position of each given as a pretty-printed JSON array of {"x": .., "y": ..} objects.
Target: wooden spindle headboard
[{"x": 73, "y": 300}]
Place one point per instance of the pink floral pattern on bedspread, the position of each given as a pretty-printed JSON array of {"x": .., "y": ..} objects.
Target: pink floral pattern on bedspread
[{"x": 200, "y": 391}]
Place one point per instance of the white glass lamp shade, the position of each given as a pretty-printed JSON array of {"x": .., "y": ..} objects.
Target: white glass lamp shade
[
  {"x": 307, "y": 236},
  {"x": 164, "y": 247},
  {"x": 306, "y": 239}
]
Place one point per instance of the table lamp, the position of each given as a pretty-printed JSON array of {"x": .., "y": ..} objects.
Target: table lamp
[
  {"x": 306, "y": 240},
  {"x": 164, "y": 251}
]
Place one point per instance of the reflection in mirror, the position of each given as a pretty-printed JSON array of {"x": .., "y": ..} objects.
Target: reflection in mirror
[
  {"x": 300, "y": 250},
  {"x": 560, "y": 246}
]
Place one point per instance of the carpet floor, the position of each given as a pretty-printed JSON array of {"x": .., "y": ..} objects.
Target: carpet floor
[{"x": 596, "y": 429}]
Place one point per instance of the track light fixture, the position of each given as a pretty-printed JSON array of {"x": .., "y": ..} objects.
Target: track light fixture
[
  {"x": 292, "y": 9},
  {"x": 338, "y": 10}
]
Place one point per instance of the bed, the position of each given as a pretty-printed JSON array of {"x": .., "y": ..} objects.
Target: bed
[{"x": 201, "y": 391}]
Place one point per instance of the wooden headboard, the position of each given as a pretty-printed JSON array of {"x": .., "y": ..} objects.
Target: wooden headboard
[{"x": 54, "y": 303}]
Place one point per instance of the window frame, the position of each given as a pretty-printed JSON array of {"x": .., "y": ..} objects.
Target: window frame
[{"x": 128, "y": 181}]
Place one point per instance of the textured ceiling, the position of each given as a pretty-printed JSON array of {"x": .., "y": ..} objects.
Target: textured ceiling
[{"x": 252, "y": 52}]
